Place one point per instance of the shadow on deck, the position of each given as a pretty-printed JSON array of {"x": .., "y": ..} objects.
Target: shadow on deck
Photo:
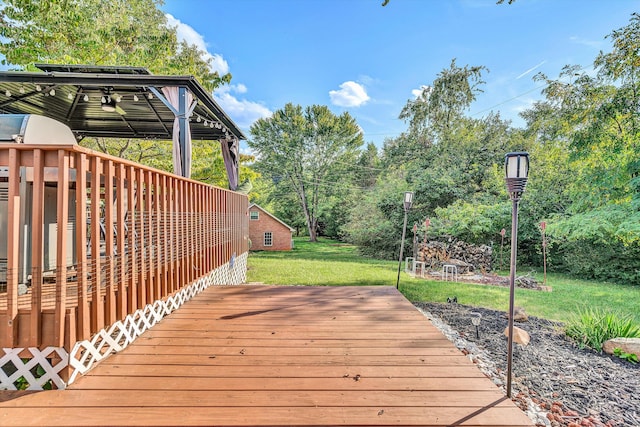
[{"x": 265, "y": 355}]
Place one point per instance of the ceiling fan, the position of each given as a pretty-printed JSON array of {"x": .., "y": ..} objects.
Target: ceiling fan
[{"x": 109, "y": 103}]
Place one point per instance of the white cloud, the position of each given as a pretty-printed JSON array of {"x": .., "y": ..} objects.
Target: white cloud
[
  {"x": 524, "y": 104},
  {"x": 242, "y": 111},
  {"x": 218, "y": 63},
  {"x": 597, "y": 44},
  {"x": 239, "y": 88},
  {"x": 351, "y": 94},
  {"x": 188, "y": 34},
  {"x": 367, "y": 80},
  {"x": 418, "y": 92}
]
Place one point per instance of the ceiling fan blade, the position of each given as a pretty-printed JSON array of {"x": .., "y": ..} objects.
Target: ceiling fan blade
[{"x": 120, "y": 111}]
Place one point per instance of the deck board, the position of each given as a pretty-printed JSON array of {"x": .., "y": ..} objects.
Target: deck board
[{"x": 264, "y": 355}]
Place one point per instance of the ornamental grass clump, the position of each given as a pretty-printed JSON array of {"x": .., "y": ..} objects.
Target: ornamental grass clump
[{"x": 591, "y": 327}]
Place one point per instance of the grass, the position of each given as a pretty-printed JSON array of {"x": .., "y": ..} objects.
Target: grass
[
  {"x": 336, "y": 264},
  {"x": 327, "y": 263}
]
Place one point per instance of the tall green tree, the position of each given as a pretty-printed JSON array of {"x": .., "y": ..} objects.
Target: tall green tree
[
  {"x": 592, "y": 121},
  {"x": 311, "y": 150},
  {"x": 97, "y": 32},
  {"x": 600, "y": 123},
  {"x": 434, "y": 113},
  {"x": 114, "y": 32}
]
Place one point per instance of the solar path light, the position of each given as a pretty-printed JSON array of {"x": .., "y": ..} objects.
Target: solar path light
[
  {"x": 408, "y": 201},
  {"x": 516, "y": 166}
]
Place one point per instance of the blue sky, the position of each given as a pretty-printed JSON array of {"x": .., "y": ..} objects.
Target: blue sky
[{"x": 360, "y": 57}]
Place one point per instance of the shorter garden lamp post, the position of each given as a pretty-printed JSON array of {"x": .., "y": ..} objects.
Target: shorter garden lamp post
[
  {"x": 502, "y": 233},
  {"x": 517, "y": 170},
  {"x": 415, "y": 242},
  {"x": 475, "y": 321},
  {"x": 408, "y": 200},
  {"x": 427, "y": 222},
  {"x": 543, "y": 227}
]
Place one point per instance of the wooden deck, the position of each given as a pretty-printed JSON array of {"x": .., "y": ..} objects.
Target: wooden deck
[{"x": 264, "y": 356}]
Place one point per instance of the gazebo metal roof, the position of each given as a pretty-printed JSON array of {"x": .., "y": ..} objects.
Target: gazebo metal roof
[{"x": 74, "y": 95}]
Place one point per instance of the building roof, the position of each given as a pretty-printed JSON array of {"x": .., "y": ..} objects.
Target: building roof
[
  {"x": 72, "y": 94},
  {"x": 272, "y": 216}
]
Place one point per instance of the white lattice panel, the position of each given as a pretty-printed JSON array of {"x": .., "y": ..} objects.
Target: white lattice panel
[{"x": 52, "y": 360}]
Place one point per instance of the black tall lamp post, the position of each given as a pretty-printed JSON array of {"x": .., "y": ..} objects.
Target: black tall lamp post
[
  {"x": 408, "y": 200},
  {"x": 516, "y": 167}
]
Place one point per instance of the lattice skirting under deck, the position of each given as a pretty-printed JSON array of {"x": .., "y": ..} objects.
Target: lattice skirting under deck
[{"x": 41, "y": 371}]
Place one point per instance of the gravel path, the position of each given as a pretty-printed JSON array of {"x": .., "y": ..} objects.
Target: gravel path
[{"x": 554, "y": 381}]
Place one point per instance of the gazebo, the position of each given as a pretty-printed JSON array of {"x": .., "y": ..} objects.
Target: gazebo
[{"x": 125, "y": 102}]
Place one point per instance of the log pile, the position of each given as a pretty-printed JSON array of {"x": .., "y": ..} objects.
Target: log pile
[
  {"x": 467, "y": 257},
  {"x": 527, "y": 282}
]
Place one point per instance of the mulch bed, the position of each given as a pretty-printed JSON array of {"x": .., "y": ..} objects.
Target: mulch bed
[{"x": 554, "y": 381}]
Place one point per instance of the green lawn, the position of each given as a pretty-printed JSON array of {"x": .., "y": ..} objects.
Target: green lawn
[{"x": 336, "y": 264}]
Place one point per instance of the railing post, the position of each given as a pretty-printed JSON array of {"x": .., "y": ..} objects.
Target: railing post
[{"x": 10, "y": 329}]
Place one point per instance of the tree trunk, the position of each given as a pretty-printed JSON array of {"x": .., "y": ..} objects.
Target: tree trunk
[{"x": 311, "y": 222}]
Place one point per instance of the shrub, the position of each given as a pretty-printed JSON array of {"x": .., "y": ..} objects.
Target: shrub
[
  {"x": 592, "y": 327},
  {"x": 605, "y": 262}
]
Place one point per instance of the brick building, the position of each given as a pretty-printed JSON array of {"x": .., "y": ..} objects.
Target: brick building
[{"x": 268, "y": 233}]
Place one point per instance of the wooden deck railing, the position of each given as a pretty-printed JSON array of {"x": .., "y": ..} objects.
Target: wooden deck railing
[{"x": 92, "y": 238}]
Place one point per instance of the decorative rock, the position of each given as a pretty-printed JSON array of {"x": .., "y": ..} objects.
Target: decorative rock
[
  {"x": 519, "y": 315},
  {"x": 628, "y": 345},
  {"x": 520, "y": 336}
]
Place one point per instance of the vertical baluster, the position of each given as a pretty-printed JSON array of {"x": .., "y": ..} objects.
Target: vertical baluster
[
  {"x": 173, "y": 215},
  {"x": 188, "y": 232},
  {"x": 84, "y": 321},
  {"x": 183, "y": 233},
  {"x": 110, "y": 295},
  {"x": 148, "y": 237},
  {"x": 166, "y": 289},
  {"x": 157, "y": 247},
  {"x": 61, "y": 252},
  {"x": 142, "y": 284},
  {"x": 97, "y": 305},
  {"x": 37, "y": 242}
]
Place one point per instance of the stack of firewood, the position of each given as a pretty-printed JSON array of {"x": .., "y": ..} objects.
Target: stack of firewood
[{"x": 467, "y": 257}]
